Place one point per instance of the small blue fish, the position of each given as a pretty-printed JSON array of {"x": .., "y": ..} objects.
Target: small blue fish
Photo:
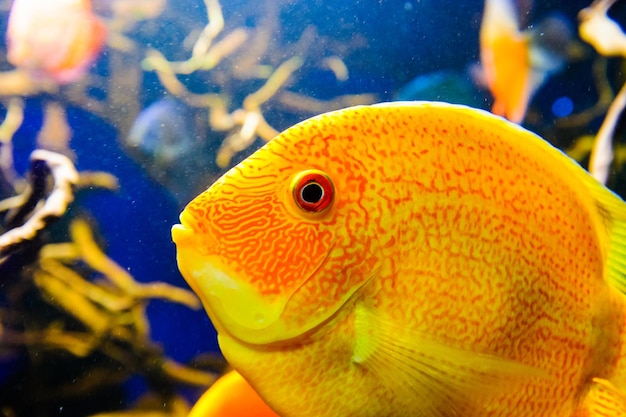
[
  {"x": 172, "y": 143},
  {"x": 162, "y": 132}
]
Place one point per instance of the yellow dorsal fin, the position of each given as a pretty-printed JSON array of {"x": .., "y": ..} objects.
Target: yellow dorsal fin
[{"x": 445, "y": 380}]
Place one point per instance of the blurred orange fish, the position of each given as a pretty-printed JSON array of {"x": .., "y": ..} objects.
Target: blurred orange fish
[
  {"x": 55, "y": 39},
  {"x": 515, "y": 63},
  {"x": 231, "y": 396}
]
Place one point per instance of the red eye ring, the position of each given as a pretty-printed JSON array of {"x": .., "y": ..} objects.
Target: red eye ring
[{"x": 312, "y": 191}]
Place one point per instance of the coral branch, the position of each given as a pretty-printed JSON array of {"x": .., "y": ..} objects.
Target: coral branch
[
  {"x": 273, "y": 84},
  {"x": 602, "y": 152},
  {"x": 12, "y": 121},
  {"x": 43, "y": 164}
]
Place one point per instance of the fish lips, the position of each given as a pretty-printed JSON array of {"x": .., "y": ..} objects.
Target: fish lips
[{"x": 232, "y": 304}]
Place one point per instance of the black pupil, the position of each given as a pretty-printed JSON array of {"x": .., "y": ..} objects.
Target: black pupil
[{"x": 312, "y": 192}]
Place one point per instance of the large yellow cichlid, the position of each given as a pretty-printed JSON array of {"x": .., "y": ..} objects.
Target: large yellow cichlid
[{"x": 414, "y": 259}]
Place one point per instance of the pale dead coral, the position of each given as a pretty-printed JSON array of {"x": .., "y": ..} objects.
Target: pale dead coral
[
  {"x": 41, "y": 207},
  {"x": 608, "y": 38},
  {"x": 600, "y": 31},
  {"x": 602, "y": 152}
]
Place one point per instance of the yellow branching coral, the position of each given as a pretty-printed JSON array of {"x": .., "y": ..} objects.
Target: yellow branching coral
[
  {"x": 337, "y": 66},
  {"x": 102, "y": 306},
  {"x": 91, "y": 289},
  {"x": 97, "y": 179},
  {"x": 20, "y": 83},
  {"x": 205, "y": 54},
  {"x": 12, "y": 121},
  {"x": 305, "y": 104},
  {"x": 246, "y": 122},
  {"x": 250, "y": 117},
  {"x": 91, "y": 254},
  {"x": 97, "y": 310}
]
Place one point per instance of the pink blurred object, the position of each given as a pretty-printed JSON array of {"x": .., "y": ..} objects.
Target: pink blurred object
[{"x": 57, "y": 39}]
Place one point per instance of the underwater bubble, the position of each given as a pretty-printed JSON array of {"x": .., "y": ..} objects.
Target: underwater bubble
[{"x": 562, "y": 106}]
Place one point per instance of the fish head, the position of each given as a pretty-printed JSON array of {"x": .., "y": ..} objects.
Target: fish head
[{"x": 279, "y": 244}]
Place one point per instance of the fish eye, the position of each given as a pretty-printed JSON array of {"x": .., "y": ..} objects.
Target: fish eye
[{"x": 312, "y": 191}]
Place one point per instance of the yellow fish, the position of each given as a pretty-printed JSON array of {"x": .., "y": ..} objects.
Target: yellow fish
[
  {"x": 414, "y": 259},
  {"x": 231, "y": 396}
]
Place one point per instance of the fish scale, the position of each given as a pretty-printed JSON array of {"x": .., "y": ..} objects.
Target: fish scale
[{"x": 471, "y": 270}]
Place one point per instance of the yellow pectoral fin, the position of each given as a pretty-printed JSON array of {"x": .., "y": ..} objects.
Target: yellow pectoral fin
[
  {"x": 604, "y": 400},
  {"x": 442, "y": 380}
]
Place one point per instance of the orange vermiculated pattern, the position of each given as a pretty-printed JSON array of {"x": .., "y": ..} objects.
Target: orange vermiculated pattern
[{"x": 445, "y": 222}]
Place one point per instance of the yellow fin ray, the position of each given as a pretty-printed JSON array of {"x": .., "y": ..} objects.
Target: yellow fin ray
[
  {"x": 612, "y": 211},
  {"x": 441, "y": 377},
  {"x": 616, "y": 260},
  {"x": 604, "y": 400}
]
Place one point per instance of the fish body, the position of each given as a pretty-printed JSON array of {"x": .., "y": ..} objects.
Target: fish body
[
  {"x": 57, "y": 39},
  {"x": 516, "y": 63},
  {"x": 231, "y": 396},
  {"x": 413, "y": 258}
]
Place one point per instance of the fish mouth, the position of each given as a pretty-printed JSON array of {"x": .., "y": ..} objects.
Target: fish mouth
[
  {"x": 237, "y": 309},
  {"x": 232, "y": 304},
  {"x": 184, "y": 232}
]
